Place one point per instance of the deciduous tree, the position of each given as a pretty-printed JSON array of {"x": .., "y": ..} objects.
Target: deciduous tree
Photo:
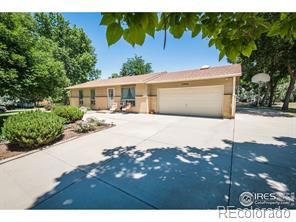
[
  {"x": 135, "y": 66},
  {"x": 75, "y": 47},
  {"x": 28, "y": 67}
]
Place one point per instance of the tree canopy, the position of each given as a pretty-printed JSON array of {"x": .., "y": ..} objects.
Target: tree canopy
[
  {"x": 40, "y": 55},
  {"x": 28, "y": 68},
  {"x": 75, "y": 48},
  {"x": 273, "y": 56},
  {"x": 233, "y": 34},
  {"x": 134, "y": 66}
]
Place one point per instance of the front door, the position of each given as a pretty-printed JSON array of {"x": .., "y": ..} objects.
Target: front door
[{"x": 110, "y": 95}]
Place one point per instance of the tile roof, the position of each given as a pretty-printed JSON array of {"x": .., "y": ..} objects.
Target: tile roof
[{"x": 188, "y": 75}]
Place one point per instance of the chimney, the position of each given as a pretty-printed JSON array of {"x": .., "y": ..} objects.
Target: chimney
[{"x": 204, "y": 67}]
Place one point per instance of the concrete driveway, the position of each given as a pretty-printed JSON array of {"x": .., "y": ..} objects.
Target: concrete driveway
[{"x": 157, "y": 162}]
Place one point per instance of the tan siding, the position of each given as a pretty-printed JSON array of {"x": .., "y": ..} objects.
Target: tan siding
[
  {"x": 74, "y": 93},
  {"x": 141, "y": 105},
  {"x": 86, "y": 97},
  {"x": 101, "y": 102},
  {"x": 74, "y": 101},
  {"x": 152, "y": 104},
  {"x": 229, "y": 107},
  {"x": 101, "y": 92},
  {"x": 141, "y": 89}
]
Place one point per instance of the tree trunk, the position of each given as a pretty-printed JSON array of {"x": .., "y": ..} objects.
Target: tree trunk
[
  {"x": 262, "y": 101},
  {"x": 290, "y": 88},
  {"x": 271, "y": 93}
]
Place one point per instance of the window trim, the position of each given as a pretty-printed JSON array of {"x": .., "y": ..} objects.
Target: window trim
[
  {"x": 80, "y": 98},
  {"x": 124, "y": 101},
  {"x": 92, "y": 100}
]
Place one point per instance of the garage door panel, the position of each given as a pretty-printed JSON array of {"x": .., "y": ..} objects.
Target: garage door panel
[{"x": 201, "y": 101}]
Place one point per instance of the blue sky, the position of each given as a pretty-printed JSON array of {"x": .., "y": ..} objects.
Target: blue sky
[{"x": 179, "y": 54}]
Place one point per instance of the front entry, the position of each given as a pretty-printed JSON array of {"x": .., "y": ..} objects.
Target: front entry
[{"x": 110, "y": 95}]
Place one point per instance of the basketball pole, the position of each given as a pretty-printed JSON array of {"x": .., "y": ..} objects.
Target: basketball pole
[{"x": 258, "y": 99}]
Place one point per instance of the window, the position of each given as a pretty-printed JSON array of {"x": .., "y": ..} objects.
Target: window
[
  {"x": 128, "y": 95},
  {"x": 92, "y": 97},
  {"x": 80, "y": 97}
]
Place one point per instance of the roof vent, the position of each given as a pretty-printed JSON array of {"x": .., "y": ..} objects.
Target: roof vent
[{"x": 205, "y": 67}]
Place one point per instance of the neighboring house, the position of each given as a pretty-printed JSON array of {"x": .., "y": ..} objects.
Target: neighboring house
[{"x": 208, "y": 91}]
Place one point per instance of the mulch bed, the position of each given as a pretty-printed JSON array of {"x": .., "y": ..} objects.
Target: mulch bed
[{"x": 9, "y": 150}]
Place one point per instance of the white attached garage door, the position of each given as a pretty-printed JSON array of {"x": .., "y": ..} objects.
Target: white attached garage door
[{"x": 200, "y": 101}]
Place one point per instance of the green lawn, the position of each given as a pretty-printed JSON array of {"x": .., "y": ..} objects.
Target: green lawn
[
  {"x": 292, "y": 106},
  {"x": 277, "y": 106}
]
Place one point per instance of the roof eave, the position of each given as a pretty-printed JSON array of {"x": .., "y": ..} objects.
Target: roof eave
[
  {"x": 116, "y": 84},
  {"x": 153, "y": 82},
  {"x": 194, "y": 79}
]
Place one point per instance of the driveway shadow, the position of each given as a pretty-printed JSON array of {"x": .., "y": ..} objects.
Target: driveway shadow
[
  {"x": 172, "y": 178},
  {"x": 265, "y": 168},
  {"x": 162, "y": 177}
]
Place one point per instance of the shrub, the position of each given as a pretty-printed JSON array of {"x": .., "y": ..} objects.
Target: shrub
[
  {"x": 95, "y": 121},
  {"x": 84, "y": 127},
  {"x": 69, "y": 113},
  {"x": 32, "y": 129},
  {"x": 90, "y": 124}
]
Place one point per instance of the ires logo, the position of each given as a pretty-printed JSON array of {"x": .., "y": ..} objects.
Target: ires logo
[{"x": 247, "y": 199}]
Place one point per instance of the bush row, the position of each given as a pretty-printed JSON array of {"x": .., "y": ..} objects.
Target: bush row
[
  {"x": 31, "y": 129},
  {"x": 69, "y": 113}
]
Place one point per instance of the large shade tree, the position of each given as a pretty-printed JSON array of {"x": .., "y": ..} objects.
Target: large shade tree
[
  {"x": 42, "y": 54},
  {"x": 233, "y": 34},
  {"x": 75, "y": 47},
  {"x": 28, "y": 67}
]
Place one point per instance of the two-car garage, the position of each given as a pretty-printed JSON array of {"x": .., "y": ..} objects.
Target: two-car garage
[{"x": 199, "y": 101}]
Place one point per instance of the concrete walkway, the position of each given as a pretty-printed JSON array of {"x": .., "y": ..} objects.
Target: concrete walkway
[{"x": 157, "y": 161}]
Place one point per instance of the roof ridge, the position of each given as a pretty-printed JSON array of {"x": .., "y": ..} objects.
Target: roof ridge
[
  {"x": 157, "y": 74},
  {"x": 211, "y": 67}
]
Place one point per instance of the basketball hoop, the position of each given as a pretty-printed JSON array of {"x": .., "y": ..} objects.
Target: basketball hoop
[{"x": 260, "y": 79}]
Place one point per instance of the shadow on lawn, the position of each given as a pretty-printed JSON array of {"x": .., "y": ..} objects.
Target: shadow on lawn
[
  {"x": 174, "y": 178},
  {"x": 264, "y": 112}
]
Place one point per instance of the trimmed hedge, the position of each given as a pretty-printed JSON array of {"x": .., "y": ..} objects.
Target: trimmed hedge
[
  {"x": 69, "y": 113},
  {"x": 32, "y": 129}
]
